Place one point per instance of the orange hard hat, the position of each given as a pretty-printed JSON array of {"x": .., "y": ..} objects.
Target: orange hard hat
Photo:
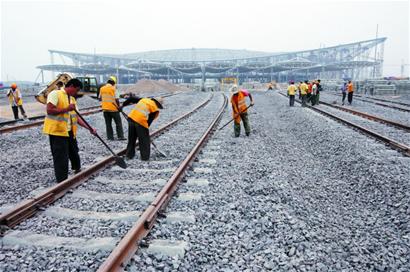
[{"x": 13, "y": 85}]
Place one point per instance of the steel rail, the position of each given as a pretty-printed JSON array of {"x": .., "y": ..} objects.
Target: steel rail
[
  {"x": 33, "y": 124},
  {"x": 390, "y": 142},
  {"x": 129, "y": 244},
  {"x": 32, "y": 118},
  {"x": 38, "y": 123},
  {"x": 377, "y": 103},
  {"x": 369, "y": 116},
  {"x": 384, "y": 100},
  {"x": 30, "y": 206}
]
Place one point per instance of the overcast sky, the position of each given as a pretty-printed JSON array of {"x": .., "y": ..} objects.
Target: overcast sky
[{"x": 30, "y": 28}]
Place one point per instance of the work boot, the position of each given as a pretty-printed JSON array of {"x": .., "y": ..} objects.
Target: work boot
[
  {"x": 122, "y": 139},
  {"x": 77, "y": 171}
]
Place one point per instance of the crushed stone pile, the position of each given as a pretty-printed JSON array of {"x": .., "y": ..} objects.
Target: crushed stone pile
[{"x": 151, "y": 87}]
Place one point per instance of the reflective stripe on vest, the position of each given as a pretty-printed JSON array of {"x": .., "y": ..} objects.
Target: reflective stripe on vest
[
  {"x": 140, "y": 113},
  {"x": 108, "y": 101}
]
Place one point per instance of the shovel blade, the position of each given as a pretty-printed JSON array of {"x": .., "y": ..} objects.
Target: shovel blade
[{"x": 120, "y": 162}]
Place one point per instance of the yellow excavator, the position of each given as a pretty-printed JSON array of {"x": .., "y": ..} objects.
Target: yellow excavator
[{"x": 90, "y": 87}]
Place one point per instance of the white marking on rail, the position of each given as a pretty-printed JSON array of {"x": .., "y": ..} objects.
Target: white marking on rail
[
  {"x": 189, "y": 196},
  {"x": 197, "y": 182},
  {"x": 168, "y": 247},
  {"x": 25, "y": 238},
  {"x": 60, "y": 212},
  {"x": 208, "y": 161},
  {"x": 106, "y": 180},
  {"x": 203, "y": 170},
  {"x": 130, "y": 216},
  {"x": 102, "y": 196},
  {"x": 143, "y": 170}
]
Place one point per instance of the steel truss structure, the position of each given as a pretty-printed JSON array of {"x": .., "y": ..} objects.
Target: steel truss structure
[{"x": 358, "y": 60}]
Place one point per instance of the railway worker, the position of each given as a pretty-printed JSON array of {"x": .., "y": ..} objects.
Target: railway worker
[
  {"x": 239, "y": 110},
  {"x": 60, "y": 124},
  {"x": 350, "y": 92},
  {"x": 110, "y": 104},
  {"x": 146, "y": 110},
  {"x": 318, "y": 91},
  {"x": 314, "y": 93},
  {"x": 299, "y": 92},
  {"x": 16, "y": 101},
  {"x": 309, "y": 91},
  {"x": 291, "y": 93},
  {"x": 303, "y": 93},
  {"x": 344, "y": 89}
]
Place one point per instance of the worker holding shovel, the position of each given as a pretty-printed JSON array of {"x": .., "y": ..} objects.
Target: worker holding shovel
[
  {"x": 60, "y": 124},
  {"x": 239, "y": 109},
  {"x": 145, "y": 111}
]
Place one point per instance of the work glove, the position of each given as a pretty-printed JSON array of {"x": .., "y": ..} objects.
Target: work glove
[
  {"x": 71, "y": 107},
  {"x": 93, "y": 131},
  {"x": 252, "y": 103}
]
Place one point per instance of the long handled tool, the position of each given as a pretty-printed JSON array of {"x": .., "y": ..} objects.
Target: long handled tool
[
  {"x": 118, "y": 160},
  {"x": 152, "y": 142},
  {"x": 236, "y": 115}
]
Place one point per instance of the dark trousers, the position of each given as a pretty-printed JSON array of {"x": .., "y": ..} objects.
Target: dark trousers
[
  {"x": 136, "y": 131},
  {"x": 109, "y": 116},
  {"x": 64, "y": 149},
  {"x": 350, "y": 97},
  {"x": 343, "y": 98},
  {"x": 16, "y": 111},
  {"x": 291, "y": 100},
  {"x": 303, "y": 100}
]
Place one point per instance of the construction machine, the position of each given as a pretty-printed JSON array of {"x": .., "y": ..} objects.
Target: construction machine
[{"x": 90, "y": 87}]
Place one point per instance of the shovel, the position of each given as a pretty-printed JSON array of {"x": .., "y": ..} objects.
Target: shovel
[
  {"x": 236, "y": 115},
  {"x": 152, "y": 142},
  {"x": 118, "y": 160}
]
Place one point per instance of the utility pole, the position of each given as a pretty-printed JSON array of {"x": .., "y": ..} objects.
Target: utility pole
[{"x": 375, "y": 52}]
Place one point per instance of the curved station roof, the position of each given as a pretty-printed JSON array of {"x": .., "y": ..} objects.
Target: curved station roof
[{"x": 199, "y": 62}]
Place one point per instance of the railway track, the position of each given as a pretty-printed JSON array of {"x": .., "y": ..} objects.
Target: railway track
[
  {"x": 37, "y": 121},
  {"x": 405, "y": 109},
  {"x": 395, "y": 139},
  {"x": 112, "y": 195},
  {"x": 383, "y": 100}
]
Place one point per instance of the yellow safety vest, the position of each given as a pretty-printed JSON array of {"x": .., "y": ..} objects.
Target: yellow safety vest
[
  {"x": 15, "y": 96},
  {"x": 107, "y": 94},
  {"x": 303, "y": 88},
  {"x": 57, "y": 124},
  {"x": 291, "y": 89},
  {"x": 141, "y": 111}
]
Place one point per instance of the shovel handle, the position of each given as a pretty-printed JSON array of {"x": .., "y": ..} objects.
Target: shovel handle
[
  {"x": 236, "y": 115},
  {"x": 96, "y": 134}
]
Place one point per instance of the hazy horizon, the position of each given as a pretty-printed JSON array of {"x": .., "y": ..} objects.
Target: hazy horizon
[{"x": 30, "y": 28}]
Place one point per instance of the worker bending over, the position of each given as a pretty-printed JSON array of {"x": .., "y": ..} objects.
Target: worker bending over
[
  {"x": 16, "y": 101},
  {"x": 146, "y": 110},
  {"x": 60, "y": 124},
  {"x": 110, "y": 104},
  {"x": 239, "y": 110}
]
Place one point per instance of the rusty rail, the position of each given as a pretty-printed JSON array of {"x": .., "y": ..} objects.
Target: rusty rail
[
  {"x": 377, "y": 103},
  {"x": 30, "y": 206},
  {"x": 129, "y": 244},
  {"x": 369, "y": 116},
  {"x": 38, "y": 123},
  {"x": 383, "y": 100},
  {"x": 390, "y": 142}
]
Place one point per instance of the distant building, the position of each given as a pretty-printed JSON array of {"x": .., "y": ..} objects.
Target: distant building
[{"x": 353, "y": 60}]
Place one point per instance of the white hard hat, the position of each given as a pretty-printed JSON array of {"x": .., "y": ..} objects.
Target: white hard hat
[{"x": 234, "y": 89}]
